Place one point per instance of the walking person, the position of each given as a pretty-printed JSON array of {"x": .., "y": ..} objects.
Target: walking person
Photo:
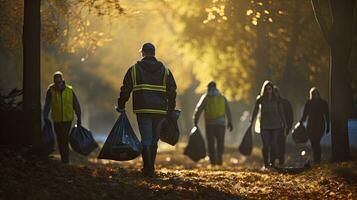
[
  {"x": 216, "y": 110},
  {"x": 154, "y": 98},
  {"x": 272, "y": 122},
  {"x": 289, "y": 117},
  {"x": 318, "y": 121},
  {"x": 62, "y": 101}
]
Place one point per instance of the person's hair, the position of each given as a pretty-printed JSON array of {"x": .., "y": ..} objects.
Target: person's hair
[
  {"x": 57, "y": 73},
  {"x": 312, "y": 90},
  {"x": 212, "y": 84},
  {"x": 265, "y": 85}
]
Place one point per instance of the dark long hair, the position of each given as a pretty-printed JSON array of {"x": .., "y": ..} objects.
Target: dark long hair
[{"x": 263, "y": 90}]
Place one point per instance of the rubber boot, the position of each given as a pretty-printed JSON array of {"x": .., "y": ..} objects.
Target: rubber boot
[
  {"x": 153, "y": 157},
  {"x": 147, "y": 165}
]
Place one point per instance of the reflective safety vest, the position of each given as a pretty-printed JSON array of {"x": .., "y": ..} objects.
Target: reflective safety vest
[
  {"x": 215, "y": 107},
  {"x": 149, "y": 95},
  {"x": 62, "y": 104}
]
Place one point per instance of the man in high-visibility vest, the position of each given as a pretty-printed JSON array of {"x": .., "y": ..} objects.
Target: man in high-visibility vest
[
  {"x": 154, "y": 98},
  {"x": 216, "y": 110},
  {"x": 63, "y": 103}
]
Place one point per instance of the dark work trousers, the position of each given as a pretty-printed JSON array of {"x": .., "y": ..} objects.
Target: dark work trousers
[
  {"x": 149, "y": 127},
  {"x": 62, "y": 133},
  {"x": 281, "y": 147},
  {"x": 315, "y": 131},
  {"x": 215, "y": 139},
  {"x": 270, "y": 141},
  {"x": 316, "y": 147}
]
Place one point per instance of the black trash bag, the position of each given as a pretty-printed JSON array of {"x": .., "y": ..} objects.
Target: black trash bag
[
  {"x": 82, "y": 140},
  {"x": 293, "y": 170},
  {"x": 47, "y": 145},
  {"x": 246, "y": 146},
  {"x": 170, "y": 132},
  {"x": 299, "y": 134},
  {"x": 195, "y": 148},
  {"x": 122, "y": 143}
]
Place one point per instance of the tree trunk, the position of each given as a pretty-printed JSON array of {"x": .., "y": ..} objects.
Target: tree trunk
[
  {"x": 341, "y": 92},
  {"x": 31, "y": 70},
  {"x": 340, "y": 40}
]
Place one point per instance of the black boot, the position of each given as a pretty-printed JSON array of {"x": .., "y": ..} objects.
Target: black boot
[
  {"x": 147, "y": 166},
  {"x": 153, "y": 157}
]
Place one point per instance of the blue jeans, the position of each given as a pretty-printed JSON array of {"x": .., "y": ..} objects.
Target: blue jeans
[
  {"x": 270, "y": 141},
  {"x": 149, "y": 128}
]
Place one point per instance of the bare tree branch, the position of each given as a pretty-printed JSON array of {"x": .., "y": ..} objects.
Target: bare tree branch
[{"x": 321, "y": 21}]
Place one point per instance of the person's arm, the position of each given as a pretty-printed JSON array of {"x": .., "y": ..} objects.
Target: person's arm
[
  {"x": 199, "y": 108},
  {"x": 229, "y": 115},
  {"x": 125, "y": 90},
  {"x": 306, "y": 111},
  {"x": 327, "y": 117},
  {"x": 47, "y": 106},
  {"x": 171, "y": 92},
  {"x": 282, "y": 114},
  {"x": 255, "y": 110},
  {"x": 77, "y": 109}
]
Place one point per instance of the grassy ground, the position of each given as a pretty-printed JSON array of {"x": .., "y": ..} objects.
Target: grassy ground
[{"x": 178, "y": 178}]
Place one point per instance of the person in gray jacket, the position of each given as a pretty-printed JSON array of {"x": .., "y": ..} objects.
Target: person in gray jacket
[
  {"x": 216, "y": 110},
  {"x": 272, "y": 122}
]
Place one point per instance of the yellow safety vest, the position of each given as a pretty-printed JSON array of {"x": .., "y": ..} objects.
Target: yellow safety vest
[
  {"x": 215, "y": 107},
  {"x": 149, "y": 87},
  {"x": 62, "y": 104}
]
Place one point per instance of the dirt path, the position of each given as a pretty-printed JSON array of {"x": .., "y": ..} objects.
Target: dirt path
[{"x": 178, "y": 178}]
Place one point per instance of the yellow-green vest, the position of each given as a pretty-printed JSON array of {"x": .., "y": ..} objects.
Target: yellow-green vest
[
  {"x": 215, "y": 107},
  {"x": 62, "y": 104}
]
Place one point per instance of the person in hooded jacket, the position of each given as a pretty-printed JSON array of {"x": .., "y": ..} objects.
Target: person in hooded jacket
[
  {"x": 289, "y": 117},
  {"x": 154, "y": 98},
  {"x": 216, "y": 109},
  {"x": 318, "y": 121},
  {"x": 272, "y": 122}
]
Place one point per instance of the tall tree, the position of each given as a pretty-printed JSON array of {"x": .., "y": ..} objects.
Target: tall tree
[
  {"x": 31, "y": 69},
  {"x": 339, "y": 36}
]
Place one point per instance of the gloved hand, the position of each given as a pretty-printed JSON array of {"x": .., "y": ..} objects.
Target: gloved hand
[
  {"x": 79, "y": 121},
  {"x": 327, "y": 130},
  {"x": 230, "y": 126},
  {"x": 47, "y": 121},
  {"x": 120, "y": 110}
]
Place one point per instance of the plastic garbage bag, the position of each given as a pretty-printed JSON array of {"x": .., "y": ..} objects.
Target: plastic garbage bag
[
  {"x": 195, "y": 148},
  {"x": 246, "y": 146},
  {"x": 170, "y": 132},
  {"x": 48, "y": 139},
  {"x": 293, "y": 170},
  {"x": 299, "y": 134},
  {"x": 47, "y": 145},
  {"x": 82, "y": 140},
  {"x": 122, "y": 143}
]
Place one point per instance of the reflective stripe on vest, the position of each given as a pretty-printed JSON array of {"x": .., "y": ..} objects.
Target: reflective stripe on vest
[
  {"x": 149, "y": 87},
  {"x": 215, "y": 107},
  {"x": 62, "y": 104}
]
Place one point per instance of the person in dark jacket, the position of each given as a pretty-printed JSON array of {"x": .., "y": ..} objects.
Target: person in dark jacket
[
  {"x": 272, "y": 122},
  {"x": 216, "y": 109},
  {"x": 317, "y": 112},
  {"x": 61, "y": 99},
  {"x": 154, "y": 98},
  {"x": 289, "y": 117}
]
